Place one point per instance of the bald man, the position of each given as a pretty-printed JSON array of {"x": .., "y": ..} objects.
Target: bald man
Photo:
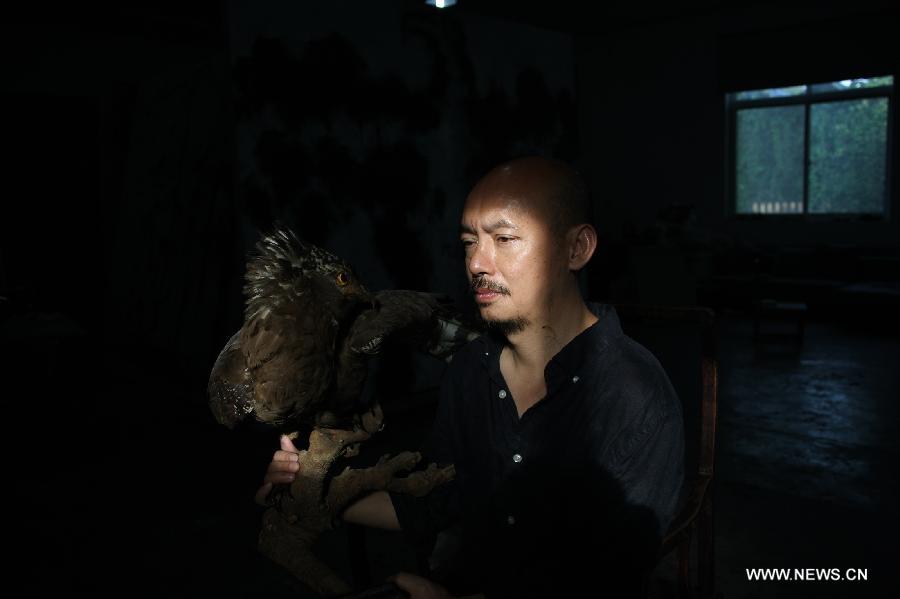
[{"x": 566, "y": 434}]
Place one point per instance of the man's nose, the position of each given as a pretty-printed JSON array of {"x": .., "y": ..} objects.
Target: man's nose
[{"x": 480, "y": 260}]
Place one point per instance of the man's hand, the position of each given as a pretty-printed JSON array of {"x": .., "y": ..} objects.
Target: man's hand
[
  {"x": 282, "y": 469},
  {"x": 418, "y": 587}
]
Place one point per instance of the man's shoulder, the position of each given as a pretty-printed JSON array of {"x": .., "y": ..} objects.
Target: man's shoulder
[
  {"x": 634, "y": 401},
  {"x": 632, "y": 380},
  {"x": 633, "y": 360},
  {"x": 618, "y": 356}
]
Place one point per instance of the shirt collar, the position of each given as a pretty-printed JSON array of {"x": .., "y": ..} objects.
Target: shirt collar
[
  {"x": 590, "y": 342},
  {"x": 570, "y": 359}
]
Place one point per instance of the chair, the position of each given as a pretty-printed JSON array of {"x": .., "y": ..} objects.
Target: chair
[{"x": 695, "y": 516}]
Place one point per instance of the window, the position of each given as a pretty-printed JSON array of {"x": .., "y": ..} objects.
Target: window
[{"x": 819, "y": 148}]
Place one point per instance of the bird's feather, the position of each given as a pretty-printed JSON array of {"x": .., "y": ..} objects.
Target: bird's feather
[{"x": 231, "y": 388}]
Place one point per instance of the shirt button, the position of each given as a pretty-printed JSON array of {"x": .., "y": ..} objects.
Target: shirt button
[
  {"x": 575, "y": 379},
  {"x": 510, "y": 520},
  {"x": 502, "y": 394},
  {"x": 517, "y": 458}
]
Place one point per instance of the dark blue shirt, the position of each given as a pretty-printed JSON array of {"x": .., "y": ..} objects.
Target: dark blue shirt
[{"x": 577, "y": 490}]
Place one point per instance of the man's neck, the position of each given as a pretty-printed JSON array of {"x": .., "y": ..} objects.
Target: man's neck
[{"x": 531, "y": 349}]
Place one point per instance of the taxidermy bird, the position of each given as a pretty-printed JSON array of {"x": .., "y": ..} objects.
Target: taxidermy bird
[
  {"x": 310, "y": 327},
  {"x": 300, "y": 360}
]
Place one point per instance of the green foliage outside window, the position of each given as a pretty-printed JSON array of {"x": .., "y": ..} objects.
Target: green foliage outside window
[
  {"x": 847, "y": 155},
  {"x": 846, "y": 165},
  {"x": 769, "y": 159}
]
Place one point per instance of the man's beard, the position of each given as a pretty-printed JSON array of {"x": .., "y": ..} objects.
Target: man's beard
[{"x": 505, "y": 327}]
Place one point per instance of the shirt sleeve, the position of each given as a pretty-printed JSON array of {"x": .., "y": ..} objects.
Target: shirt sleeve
[
  {"x": 637, "y": 453},
  {"x": 652, "y": 471},
  {"x": 647, "y": 462}
]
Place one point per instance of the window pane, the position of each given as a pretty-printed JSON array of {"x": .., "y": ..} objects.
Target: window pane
[
  {"x": 847, "y": 144},
  {"x": 770, "y": 160},
  {"x": 773, "y": 92},
  {"x": 839, "y": 86}
]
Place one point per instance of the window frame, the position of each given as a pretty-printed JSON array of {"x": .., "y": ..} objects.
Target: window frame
[{"x": 806, "y": 99}]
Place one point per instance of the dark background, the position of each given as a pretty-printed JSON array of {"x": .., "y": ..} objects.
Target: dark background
[{"x": 147, "y": 145}]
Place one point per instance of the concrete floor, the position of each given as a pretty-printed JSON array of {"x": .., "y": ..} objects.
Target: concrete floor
[{"x": 806, "y": 460}]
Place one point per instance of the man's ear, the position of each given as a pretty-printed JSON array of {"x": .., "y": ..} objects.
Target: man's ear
[{"x": 581, "y": 243}]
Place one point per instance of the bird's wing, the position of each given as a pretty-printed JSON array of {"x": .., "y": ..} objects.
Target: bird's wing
[
  {"x": 263, "y": 337},
  {"x": 230, "y": 385},
  {"x": 290, "y": 353}
]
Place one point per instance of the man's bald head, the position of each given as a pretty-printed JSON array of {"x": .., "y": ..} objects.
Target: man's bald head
[
  {"x": 552, "y": 190},
  {"x": 526, "y": 234}
]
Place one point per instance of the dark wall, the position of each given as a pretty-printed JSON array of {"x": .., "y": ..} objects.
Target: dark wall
[
  {"x": 102, "y": 402},
  {"x": 190, "y": 130},
  {"x": 150, "y": 144},
  {"x": 366, "y": 136}
]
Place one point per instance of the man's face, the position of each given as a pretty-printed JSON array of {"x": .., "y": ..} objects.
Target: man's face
[{"x": 513, "y": 261}]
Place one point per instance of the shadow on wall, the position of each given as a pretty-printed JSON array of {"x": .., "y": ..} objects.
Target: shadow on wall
[{"x": 333, "y": 143}]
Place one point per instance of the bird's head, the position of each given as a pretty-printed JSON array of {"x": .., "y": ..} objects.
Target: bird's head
[{"x": 285, "y": 268}]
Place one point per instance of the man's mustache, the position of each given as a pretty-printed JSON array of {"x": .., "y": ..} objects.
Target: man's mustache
[{"x": 480, "y": 282}]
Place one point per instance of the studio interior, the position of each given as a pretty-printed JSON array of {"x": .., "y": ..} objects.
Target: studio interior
[{"x": 741, "y": 169}]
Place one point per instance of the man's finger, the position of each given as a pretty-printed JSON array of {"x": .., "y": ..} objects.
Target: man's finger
[
  {"x": 419, "y": 587},
  {"x": 405, "y": 581},
  {"x": 283, "y": 467},
  {"x": 288, "y": 445},
  {"x": 279, "y": 477},
  {"x": 262, "y": 493},
  {"x": 285, "y": 456}
]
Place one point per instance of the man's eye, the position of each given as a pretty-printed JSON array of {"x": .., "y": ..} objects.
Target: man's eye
[
  {"x": 504, "y": 239},
  {"x": 467, "y": 243}
]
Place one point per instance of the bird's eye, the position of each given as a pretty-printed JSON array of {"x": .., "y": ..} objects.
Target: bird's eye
[{"x": 342, "y": 278}]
